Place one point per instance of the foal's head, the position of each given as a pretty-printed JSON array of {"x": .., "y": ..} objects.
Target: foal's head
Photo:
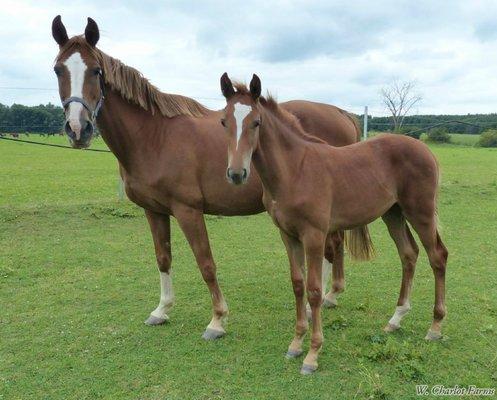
[
  {"x": 80, "y": 81},
  {"x": 241, "y": 121}
]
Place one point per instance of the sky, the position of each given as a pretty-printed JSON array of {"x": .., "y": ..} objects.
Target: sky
[{"x": 338, "y": 52}]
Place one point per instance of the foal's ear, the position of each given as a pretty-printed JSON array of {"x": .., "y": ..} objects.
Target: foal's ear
[
  {"x": 59, "y": 32},
  {"x": 255, "y": 87},
  {"x": 92, "y": 34},
  {"x": 227, "y": 86}
]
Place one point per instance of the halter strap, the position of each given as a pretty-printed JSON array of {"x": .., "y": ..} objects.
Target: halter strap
[{"x": 80, "y": 100}]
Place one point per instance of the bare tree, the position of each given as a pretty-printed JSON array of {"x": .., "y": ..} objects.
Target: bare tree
[{"x": 399, "y": 98}]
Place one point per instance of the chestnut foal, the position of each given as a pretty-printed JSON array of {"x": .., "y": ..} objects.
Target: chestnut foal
[{"x": 309, "y": 191}]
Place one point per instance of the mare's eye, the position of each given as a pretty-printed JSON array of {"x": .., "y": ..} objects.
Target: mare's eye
[
  {"x": 256, "y": 124},
  {"x": 58, "y": 71},
  {"x": 96, "y": 71},
  {"x": 223, "y": 122}
]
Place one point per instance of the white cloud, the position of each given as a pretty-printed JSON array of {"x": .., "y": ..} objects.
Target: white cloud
[{"x": 339, "y": 52}]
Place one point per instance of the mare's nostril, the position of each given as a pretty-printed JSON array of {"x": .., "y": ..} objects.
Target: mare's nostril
[
  {"x": 88, "y": 131},
  {"x": 69, "y": 131},
  {"x": 244, "y": 174}
]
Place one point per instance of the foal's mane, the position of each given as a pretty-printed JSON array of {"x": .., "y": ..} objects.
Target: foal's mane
[
  {"x": 276, "y": 112},
  {"x": 134, "y": 87}
]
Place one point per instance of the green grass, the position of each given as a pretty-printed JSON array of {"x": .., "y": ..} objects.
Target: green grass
[
  {"x": 78, "y": 277},
  {"x": 464, "y": 139}
]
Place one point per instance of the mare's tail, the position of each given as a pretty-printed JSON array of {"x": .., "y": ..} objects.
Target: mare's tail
[{"x": 358, "y": 243}]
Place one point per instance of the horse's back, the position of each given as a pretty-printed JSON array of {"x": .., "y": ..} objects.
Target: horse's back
[{"x": 327, "y": 122}]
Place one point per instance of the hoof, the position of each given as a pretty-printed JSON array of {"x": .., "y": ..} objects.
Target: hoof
[
  {"x": 308, "y": 369},
  {"x": 433, "y": 335},
  {"x": 391, "y": 328},
  {"x": 293, "y": 354},
  {"x": 153, "y": 321},
  {"x": 329, "y": 303},
  {"x": 212, "y": 334}
]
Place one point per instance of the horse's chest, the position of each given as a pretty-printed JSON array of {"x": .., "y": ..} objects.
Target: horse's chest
[
  {"x": 275, "y": 210},
  {"x": 146, "y": 196}
]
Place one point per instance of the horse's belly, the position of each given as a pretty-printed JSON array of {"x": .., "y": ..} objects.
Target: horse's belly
[{"x": 362, "y": 213}]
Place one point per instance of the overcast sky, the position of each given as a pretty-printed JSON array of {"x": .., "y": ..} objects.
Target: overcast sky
[{"x": 339, "y": 52}]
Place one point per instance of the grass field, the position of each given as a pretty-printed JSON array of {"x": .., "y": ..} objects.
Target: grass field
[
  {"x": 78, "y": 278},
  {"x": 464, "y": 139}
]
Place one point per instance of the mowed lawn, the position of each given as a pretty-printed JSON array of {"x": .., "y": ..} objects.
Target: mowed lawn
[{"x": 78, "y": 278}]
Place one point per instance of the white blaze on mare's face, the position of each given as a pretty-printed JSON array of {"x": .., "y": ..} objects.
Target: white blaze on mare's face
[
  {"x": 166, "y": 296},
  {"x": 76, "y": 67},
  {"x": 241, "y": 111}
]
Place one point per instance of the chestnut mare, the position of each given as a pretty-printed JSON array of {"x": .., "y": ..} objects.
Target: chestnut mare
[
  {"x": 172, "y": 154},
  {"x": 309, "y": 191}
]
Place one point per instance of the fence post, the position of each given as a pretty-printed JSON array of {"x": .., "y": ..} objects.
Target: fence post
[{"x": 365, "y": 129}]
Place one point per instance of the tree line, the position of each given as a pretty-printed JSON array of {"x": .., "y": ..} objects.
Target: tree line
[
  {"x": 473, "y": 124},
  {"x": 31, "y": 119},
  {"x": 50, "y": 119}
]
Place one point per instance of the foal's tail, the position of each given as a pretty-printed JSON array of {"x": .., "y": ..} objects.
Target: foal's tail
[{"x": 359, "y": 244}]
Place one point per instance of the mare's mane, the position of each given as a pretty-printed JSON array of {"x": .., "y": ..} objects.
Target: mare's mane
[
  {"x": 134, "y": 87},
  {"x": 286, "y": 118}
]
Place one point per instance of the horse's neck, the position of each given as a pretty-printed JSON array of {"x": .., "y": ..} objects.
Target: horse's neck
[
  {"x": 278, "y": 156},
  {"x": 121, "y": 124}
]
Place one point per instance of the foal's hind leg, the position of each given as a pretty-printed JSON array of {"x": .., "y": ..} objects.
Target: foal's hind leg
[
  {"x": 334, "y": 254},
  {"x": 437, "y": 254},
  {"x": 408, "y": 253}
]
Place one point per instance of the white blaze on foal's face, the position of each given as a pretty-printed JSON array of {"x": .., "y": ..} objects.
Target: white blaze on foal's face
[
  {"x": 240, "y": 113},
  {"x": 76, "y": 68}
]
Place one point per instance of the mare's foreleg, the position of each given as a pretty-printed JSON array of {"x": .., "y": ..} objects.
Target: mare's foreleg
[
  {"x": 161, "y": 234},
  {"x": 334, "y": 255},
  {"x": 193, "y": 226}
]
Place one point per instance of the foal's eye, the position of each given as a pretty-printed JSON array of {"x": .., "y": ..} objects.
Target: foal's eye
[
  {"x": 58, "y": 71},
  {"x": 256, "y": 124},
  {"x": 223, "y": 122},
  {"x": 96, "y": 71}
]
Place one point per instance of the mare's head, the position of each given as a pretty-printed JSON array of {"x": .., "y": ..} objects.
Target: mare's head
[
  {"x": 241, "y": 121},
  {"x": 80, "y": 81}
]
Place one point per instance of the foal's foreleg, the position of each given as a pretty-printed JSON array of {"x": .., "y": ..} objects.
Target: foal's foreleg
[
  {"x": 161, "y": 234},
  {"x": 193, "y": 226},
  {"x": 314, "y": 249},
  {"x": 296, "y": 259},
  {"x": 408, "y": 252}
]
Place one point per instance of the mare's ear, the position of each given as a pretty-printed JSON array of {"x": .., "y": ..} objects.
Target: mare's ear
[
  {"x": 59, "y": 32},
  {"x": 92, "y": 34},
  {"x": 227, "y": 86},
  {"x": 255, "y": 87}
]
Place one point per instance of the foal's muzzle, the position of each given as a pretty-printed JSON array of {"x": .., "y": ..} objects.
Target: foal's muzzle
[
  {"x": 85, "y": 135},
  {"x": 237, "y": 177}
]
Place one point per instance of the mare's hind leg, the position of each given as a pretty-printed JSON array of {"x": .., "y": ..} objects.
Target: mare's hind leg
[
  {"x": 334, "y": 254},
  {"x": 161, "y": 234},
  {"x": 408, "y": 253},
  {"x": 437, "y": 254},
  {"x": 193, "y": 226}
]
